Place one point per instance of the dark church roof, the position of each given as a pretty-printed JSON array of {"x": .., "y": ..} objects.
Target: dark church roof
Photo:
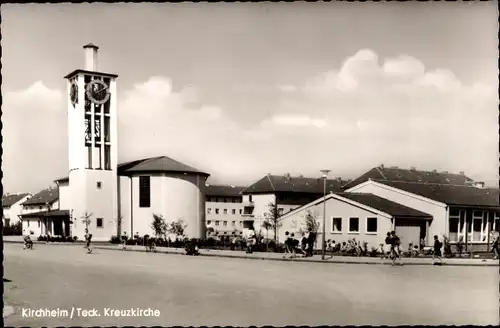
[
  {"x": 285, "y": 183},
  {"x": 157, "y": 164},
  {"x": 412, "y": 175}
]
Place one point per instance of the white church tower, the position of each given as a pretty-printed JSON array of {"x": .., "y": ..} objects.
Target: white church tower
[{"x": 93, "y": 147}]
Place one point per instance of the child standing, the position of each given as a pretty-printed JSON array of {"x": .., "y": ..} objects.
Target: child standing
[{"x": 437, "y": 250}]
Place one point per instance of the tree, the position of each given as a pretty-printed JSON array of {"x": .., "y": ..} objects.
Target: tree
[
  {"x": 86, "y": 219},
  {"x": 267, "y": 226},
  {"x": 272, "y": 217},
  {"x": 177, "y": 228},
  {"x": 159, "y": 225}
]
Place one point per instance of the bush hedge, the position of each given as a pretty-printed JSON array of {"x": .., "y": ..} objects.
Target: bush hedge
[
  {"x": 58, "y": 239},
  {"x": 15, "y": 229}
]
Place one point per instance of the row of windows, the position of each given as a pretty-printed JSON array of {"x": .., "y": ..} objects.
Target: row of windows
[
  {"x": 223, "y": 199},
  {"x": 224, "y": 223},
  {"x": 354, "y": 226},
  {"x": 224, "y": 211},
  {"x": 371, "y": 225}
]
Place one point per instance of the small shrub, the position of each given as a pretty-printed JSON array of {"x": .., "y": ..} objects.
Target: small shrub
[
  {"x": 42, "y": 238},
  {"x": 115, "y": 240},
  {"x": 75, "y": 238}
]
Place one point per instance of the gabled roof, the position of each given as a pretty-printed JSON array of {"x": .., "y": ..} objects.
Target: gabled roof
[
  {"x": 450, "y": 194},
  {"x": 412, "y": 175},
  {"x": 283, "y": 183},
  {"x": 10, "y": 199},
  {"x": 223, "y": 191},
  {"x": 157, "y": 164},
  {"x": 376, "y": 203},
  {"x": 385, "y": 205},
  {"x": 43, "y": 197}
]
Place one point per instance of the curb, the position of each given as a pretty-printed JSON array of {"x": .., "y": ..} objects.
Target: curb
[{"x": 295, "y": 259}]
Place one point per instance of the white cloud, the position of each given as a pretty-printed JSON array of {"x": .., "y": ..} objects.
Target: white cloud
[
  {"x": 296, "y": 120},
  {"x": 396, "y": 111}
]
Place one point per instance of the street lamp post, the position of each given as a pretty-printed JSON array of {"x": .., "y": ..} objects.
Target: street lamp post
[{"x": 323, "y": 237}]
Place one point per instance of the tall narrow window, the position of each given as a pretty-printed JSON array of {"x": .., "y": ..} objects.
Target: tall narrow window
[
  {"x": 106, "y": 107},
  {"x": 144, "y": 191},
  {"x": 97, "y": 128},
  {"x": 89, "y": 156},
  {"x": 99, "y": 157},
  {"x": 88, "y": 134},
  {"x": 107, "y": 137},
  {"x": 107, "y": 157}
]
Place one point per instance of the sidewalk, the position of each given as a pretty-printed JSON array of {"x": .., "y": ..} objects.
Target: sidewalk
[
  {"x": 278, "y": 256},
  {"x": 314, "y": 259}
]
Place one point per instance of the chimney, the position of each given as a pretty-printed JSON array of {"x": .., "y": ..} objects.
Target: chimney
[
  {"x": 90, "y": 57},
  {"x": 381, "y": 166},
  {"x": 413, "y": 168},
  {"x": 462, "y": 173},
  {"x": 339, "y": 179},
  {"x": 434, "y": 171}
]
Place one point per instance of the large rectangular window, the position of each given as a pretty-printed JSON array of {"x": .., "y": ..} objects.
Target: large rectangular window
[
  {"x": 371, "y": 225},
  {"x": 336, "y": 225},
  {"x": 353, "y": 224},
  {"x": 107, "y": 157},
  {"x": 454, "y": 230},
  {"x": 476, "y": 230},
  {"x": 144, "y": 191}
]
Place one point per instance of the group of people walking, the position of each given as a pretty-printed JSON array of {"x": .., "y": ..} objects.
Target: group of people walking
[{"x": 304, "y": 247}]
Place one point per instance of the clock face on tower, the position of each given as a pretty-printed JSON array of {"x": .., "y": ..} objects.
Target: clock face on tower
[
  {"x": 98, "y": 92},
  {"x": 73, "y": 94}
]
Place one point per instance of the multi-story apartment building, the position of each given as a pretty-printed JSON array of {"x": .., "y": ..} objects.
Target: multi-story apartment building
[
  {"x": 224, "y": 209},
  {"x": 285, "y": 192}
]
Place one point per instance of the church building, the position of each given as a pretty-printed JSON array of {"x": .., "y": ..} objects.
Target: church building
[{"x": 109, "y": 198}]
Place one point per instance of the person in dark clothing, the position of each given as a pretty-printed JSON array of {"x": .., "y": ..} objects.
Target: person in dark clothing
[
  {"x": 396, "y": 252},
  {"x": 494, "y": 248},
  {"x": 28, "y": 243},
  {"x": 88, "y": 239},
  {"x": 388, "y": 241},
  {"x": 437, "y": 250},
  {"x": 289, "y": 245},
  {"x": 311, "y": 238}
]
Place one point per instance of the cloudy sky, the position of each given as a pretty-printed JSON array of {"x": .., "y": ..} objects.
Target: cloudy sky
[{"x": 240, "y": 90}]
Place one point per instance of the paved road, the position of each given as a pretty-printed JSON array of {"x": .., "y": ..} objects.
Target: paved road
[{"x": 218, "y": 291}]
